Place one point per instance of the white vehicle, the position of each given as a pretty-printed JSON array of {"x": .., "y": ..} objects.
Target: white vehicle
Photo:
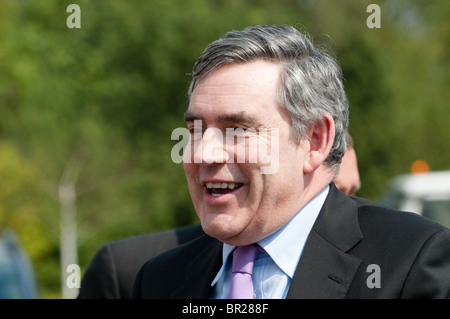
[{"x": 427, "y": 194}]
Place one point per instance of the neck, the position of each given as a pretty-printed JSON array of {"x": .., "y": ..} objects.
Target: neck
[{"x": 315, "y": 182}]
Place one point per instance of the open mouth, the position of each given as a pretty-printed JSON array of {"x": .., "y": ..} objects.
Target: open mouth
[{"x": 222, "y": 188}]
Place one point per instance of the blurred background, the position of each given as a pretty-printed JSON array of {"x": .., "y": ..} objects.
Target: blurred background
[{"x": 86, "y": 114}]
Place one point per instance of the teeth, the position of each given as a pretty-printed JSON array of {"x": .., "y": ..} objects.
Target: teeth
[{"x": 222, "y": 185}]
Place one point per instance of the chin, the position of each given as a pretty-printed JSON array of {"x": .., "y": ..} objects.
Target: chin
[
  {"x": 221, "y": 228},
  {"x": 230, "y": 234}
]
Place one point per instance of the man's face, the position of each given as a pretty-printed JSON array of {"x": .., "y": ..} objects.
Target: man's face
[{"x": 236, "y": 202}]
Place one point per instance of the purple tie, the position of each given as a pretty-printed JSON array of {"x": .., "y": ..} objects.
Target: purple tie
[{"x": 241, "y": 286}]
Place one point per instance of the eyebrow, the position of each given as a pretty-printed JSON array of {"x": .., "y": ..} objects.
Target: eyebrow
[
  {"x": 190, "y": 116},
  {"x": 239, "y": 117}
]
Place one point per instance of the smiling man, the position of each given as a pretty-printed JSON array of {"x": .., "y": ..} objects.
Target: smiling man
[
  {"x": 243, "y": 213},
  {"x": 290, "y": 231}
]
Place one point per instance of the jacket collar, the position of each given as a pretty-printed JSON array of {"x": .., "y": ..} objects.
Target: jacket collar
[{"x": 325, "y": 270}]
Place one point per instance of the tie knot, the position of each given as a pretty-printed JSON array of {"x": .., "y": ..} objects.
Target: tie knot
[{"x": 244, "y": 257}]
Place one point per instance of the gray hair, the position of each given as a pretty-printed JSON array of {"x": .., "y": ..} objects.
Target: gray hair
[{"x": 310, "y": 84}]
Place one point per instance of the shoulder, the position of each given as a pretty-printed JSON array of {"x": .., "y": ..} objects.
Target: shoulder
[
  {"x": 112, "y": 271},
  {"x": 385, "y": 220},
  {"x": 149, "y": 245},
  {"x": 129, "y": 254},
  {"x": 136, "y": 243},
  {"x": 410, "y": 249},
  {"x": 184, "y": 252}
]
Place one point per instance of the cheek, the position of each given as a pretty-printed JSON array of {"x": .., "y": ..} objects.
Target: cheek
[
  {"x": 191, "y": 173},
  {"x": 188, "y": 153},
  {"x": 188, "y": 168},
  {"x": 261, "y": 150},
  {"x": 270, "y": 195},
  {"x": 278, "y": 202},
  {"x": 286, "y": 182}
]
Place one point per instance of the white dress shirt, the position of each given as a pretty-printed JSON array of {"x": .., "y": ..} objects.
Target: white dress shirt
[{"x": 274, "y": 269}]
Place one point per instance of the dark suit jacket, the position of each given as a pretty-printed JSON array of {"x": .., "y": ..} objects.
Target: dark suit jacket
[
  {"x": 413, "y": 255},
  {"x": 111, "y": 273}
]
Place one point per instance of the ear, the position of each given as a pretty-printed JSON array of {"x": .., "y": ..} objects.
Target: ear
[{"x": 320, "y": 139}]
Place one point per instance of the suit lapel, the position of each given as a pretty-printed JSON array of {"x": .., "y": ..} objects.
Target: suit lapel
[
  {"x": 200, "y": 272},
  {"x": 325, "y": 270}
]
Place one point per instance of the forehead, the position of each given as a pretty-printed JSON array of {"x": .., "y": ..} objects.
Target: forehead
[
  {"x": 256, "y": 75},
  {"x": 238, "y": 87}
]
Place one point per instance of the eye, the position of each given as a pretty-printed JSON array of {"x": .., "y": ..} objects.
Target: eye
[
  {"x": 195, "y": 130},
  {"x": 237, "y": 130},
  {"x": 196, "y": 133}
]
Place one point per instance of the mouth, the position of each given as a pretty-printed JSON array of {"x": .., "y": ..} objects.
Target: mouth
[{"x": 218, "y": 189}]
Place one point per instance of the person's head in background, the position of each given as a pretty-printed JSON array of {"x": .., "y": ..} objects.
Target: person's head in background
[{"x": 348, "y": 180}]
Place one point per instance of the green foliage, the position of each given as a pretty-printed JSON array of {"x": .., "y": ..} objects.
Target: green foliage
[{"x": 103, "y": 100}]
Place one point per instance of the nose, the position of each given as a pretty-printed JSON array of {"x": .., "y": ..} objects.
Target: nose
[{"x": 213, "y": 148}]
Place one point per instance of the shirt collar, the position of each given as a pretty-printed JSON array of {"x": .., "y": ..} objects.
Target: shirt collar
[{"x": 285, "y": 246}]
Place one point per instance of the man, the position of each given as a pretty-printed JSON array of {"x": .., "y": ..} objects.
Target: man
[
  {"x": 266, "y": 83},
  {"x": 111, "y": 273}
]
